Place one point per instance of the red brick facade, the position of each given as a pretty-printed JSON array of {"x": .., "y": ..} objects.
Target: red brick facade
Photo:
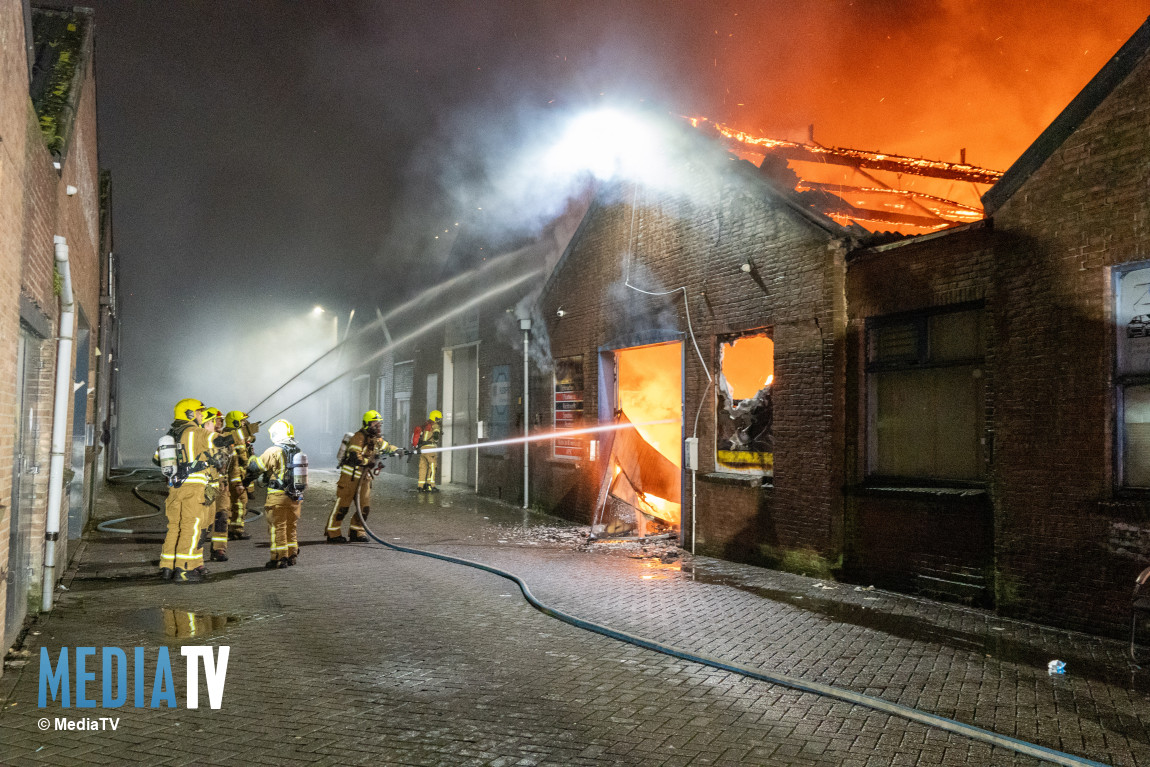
[{"x": 35, "y": 206}]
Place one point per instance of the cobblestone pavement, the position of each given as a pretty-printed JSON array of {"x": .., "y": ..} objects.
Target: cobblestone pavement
[{"x": 363, "y": 655}]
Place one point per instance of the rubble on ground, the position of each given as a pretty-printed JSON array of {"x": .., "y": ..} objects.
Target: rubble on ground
[{"x": 664, "y": 547}]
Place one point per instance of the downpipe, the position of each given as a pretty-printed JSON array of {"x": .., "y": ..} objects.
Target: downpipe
[
  {"x": 525, "y": 326},
  {"x": 59, "y": 423}
]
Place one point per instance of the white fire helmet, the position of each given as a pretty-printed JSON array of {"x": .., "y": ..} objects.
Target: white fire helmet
[{"x": 282, "y": 432}]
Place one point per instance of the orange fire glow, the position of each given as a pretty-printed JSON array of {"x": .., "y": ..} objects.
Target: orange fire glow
[
  {"x": 748, "y": 364},
  {"x": 651, "y": 389},
  {"x": 920, "y": 79}
]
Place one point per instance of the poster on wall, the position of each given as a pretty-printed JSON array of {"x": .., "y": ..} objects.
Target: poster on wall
[
  {"x": 1133, "y": 318},
  {"x": 499, "y": 420},
  {"x": 569, "y": 405}
]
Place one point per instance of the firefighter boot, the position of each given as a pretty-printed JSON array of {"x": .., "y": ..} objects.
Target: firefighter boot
[
  {"x": 187, "y": 577},
  {"x": 355, "y": 532}
]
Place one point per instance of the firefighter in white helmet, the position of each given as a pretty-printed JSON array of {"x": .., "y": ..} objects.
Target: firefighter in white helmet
[
  {"x": 187, "y": 455},
  {"x": 283, "y": 468},
  {"x": 359, "y": 463},
  {"x": 429, "y": 435}
]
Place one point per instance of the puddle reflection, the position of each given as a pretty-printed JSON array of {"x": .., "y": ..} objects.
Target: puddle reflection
[{"x": 180, "y": 624}]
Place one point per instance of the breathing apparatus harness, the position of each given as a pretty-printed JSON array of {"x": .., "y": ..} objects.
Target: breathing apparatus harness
[
  {"x": 173, "y": 457},
  {"x": 346, "y": 457},
  {"x": 293, "y": 480}
]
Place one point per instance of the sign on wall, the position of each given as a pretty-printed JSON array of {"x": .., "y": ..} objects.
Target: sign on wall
[
  {"x": 569, "y": 405},
  {"x": 500, "y": 417}
]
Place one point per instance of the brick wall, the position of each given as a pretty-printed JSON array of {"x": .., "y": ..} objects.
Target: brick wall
[
  {"x": 34, "y": 207},
  {"x": 925, "y": 541},
  {"x": 1085, "y": 210},
  {"x": 13, "y": 100}
]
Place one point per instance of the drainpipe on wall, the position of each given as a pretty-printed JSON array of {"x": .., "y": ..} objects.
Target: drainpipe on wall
[
  {"x": 59, "y": 422},
  {"x": 525, "y": 326}
]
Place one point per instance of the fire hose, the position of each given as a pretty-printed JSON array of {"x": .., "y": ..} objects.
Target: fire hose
[
  {"x": 795, "y": 683},
  {"x": 157, "y": 478}
]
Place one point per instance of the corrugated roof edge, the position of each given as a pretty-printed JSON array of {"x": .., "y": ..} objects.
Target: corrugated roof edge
[{"x": 1076, "y": 112}]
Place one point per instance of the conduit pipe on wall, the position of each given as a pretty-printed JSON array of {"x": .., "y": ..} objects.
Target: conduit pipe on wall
[
  {"x": 59, "y": 422},
  {"x": 525, "y": 326}
]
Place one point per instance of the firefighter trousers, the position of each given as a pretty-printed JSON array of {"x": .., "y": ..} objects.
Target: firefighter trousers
[
  {"x": 185, "y": 508},
  {"x": 349, "y": 491},
  {"x": 239, "y": 506},
  {"x": 283, "y": 515},
  {"x": 427, "y": 464},
  {"x": 222, "y": 510}
]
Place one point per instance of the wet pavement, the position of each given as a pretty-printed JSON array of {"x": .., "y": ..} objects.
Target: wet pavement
[{"x": 364, "y": 655}]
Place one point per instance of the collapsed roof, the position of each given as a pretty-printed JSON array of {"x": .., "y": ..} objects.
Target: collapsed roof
[{"x": 875, "y": 191}]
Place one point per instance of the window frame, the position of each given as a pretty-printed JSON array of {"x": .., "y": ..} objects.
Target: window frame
[
  {"x": 922, "y": 361},
  {"x": 767, "y": 475},
  {"x": 1122, "y": 380}
]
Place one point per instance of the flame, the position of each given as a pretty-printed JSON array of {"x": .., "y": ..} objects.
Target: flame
[{"x": 651, "y": 389}]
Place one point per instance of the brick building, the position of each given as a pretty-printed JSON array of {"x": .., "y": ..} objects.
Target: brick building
[
  {"x": 998, "y": 385},
  {"x": 960, "y": 414},
  {"x": 51, "y": 192}
]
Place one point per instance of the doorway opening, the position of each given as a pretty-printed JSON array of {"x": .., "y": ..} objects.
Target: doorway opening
[{"x": 640, "y": 493}]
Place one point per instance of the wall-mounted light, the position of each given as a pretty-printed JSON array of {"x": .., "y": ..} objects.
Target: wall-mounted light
[
  {"x": 70, "y": 190},
  {"x": 746, "y": 268},
  {"x": 560, "y": 312}
]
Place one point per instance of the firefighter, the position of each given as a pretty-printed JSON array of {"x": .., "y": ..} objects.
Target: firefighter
[
  {"x": 427, "y": 436},
  {"x": 283, "y": 467},
  {"x": 244, "y": 434},
  {"x": 359, "y": 463},
  {"x": 186, "y": 454},
  {"x": 216, "y": 522}
]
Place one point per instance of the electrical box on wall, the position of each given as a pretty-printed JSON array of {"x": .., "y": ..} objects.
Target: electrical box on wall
[{"x": 691, "y": 454}]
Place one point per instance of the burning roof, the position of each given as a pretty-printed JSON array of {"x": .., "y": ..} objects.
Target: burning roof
[{"x": 875, "y": 191}]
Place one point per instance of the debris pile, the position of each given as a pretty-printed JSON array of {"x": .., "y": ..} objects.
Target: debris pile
[{"x": 663, "y": 547}]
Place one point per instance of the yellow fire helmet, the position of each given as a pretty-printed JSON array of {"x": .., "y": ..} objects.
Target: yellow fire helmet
[
  {"x": 185, "y": 409},
  {"x": 282, "y": 432},
  {"x": 234, "y": 418},
  {"x": 371, "y": 415},
  {"x": 211, "y": 413},
  {"x": 435, "y": 415}
]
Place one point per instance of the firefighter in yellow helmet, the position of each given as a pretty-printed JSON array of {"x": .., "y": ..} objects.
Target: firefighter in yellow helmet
[
  {"x": 360, "y": 461},
  {"x": 187, "y": 453},
  {"x": 244, "y": 434},
  {"x": 427, "y": 436},
  {"x": 216, "y": 521},
  {"x": 283, "y": 467}
]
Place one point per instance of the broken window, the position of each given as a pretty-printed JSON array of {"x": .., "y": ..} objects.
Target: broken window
[
  {"x": 925, "y": 395},
  {"x": 744, "y": 442},
  {"x": 1132, "y": 315}
]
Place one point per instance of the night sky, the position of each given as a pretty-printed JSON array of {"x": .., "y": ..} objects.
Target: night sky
[{"x": 267, "y": 157}]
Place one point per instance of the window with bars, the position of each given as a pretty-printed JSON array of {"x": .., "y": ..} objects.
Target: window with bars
[{"x": 925, "y": 395}]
